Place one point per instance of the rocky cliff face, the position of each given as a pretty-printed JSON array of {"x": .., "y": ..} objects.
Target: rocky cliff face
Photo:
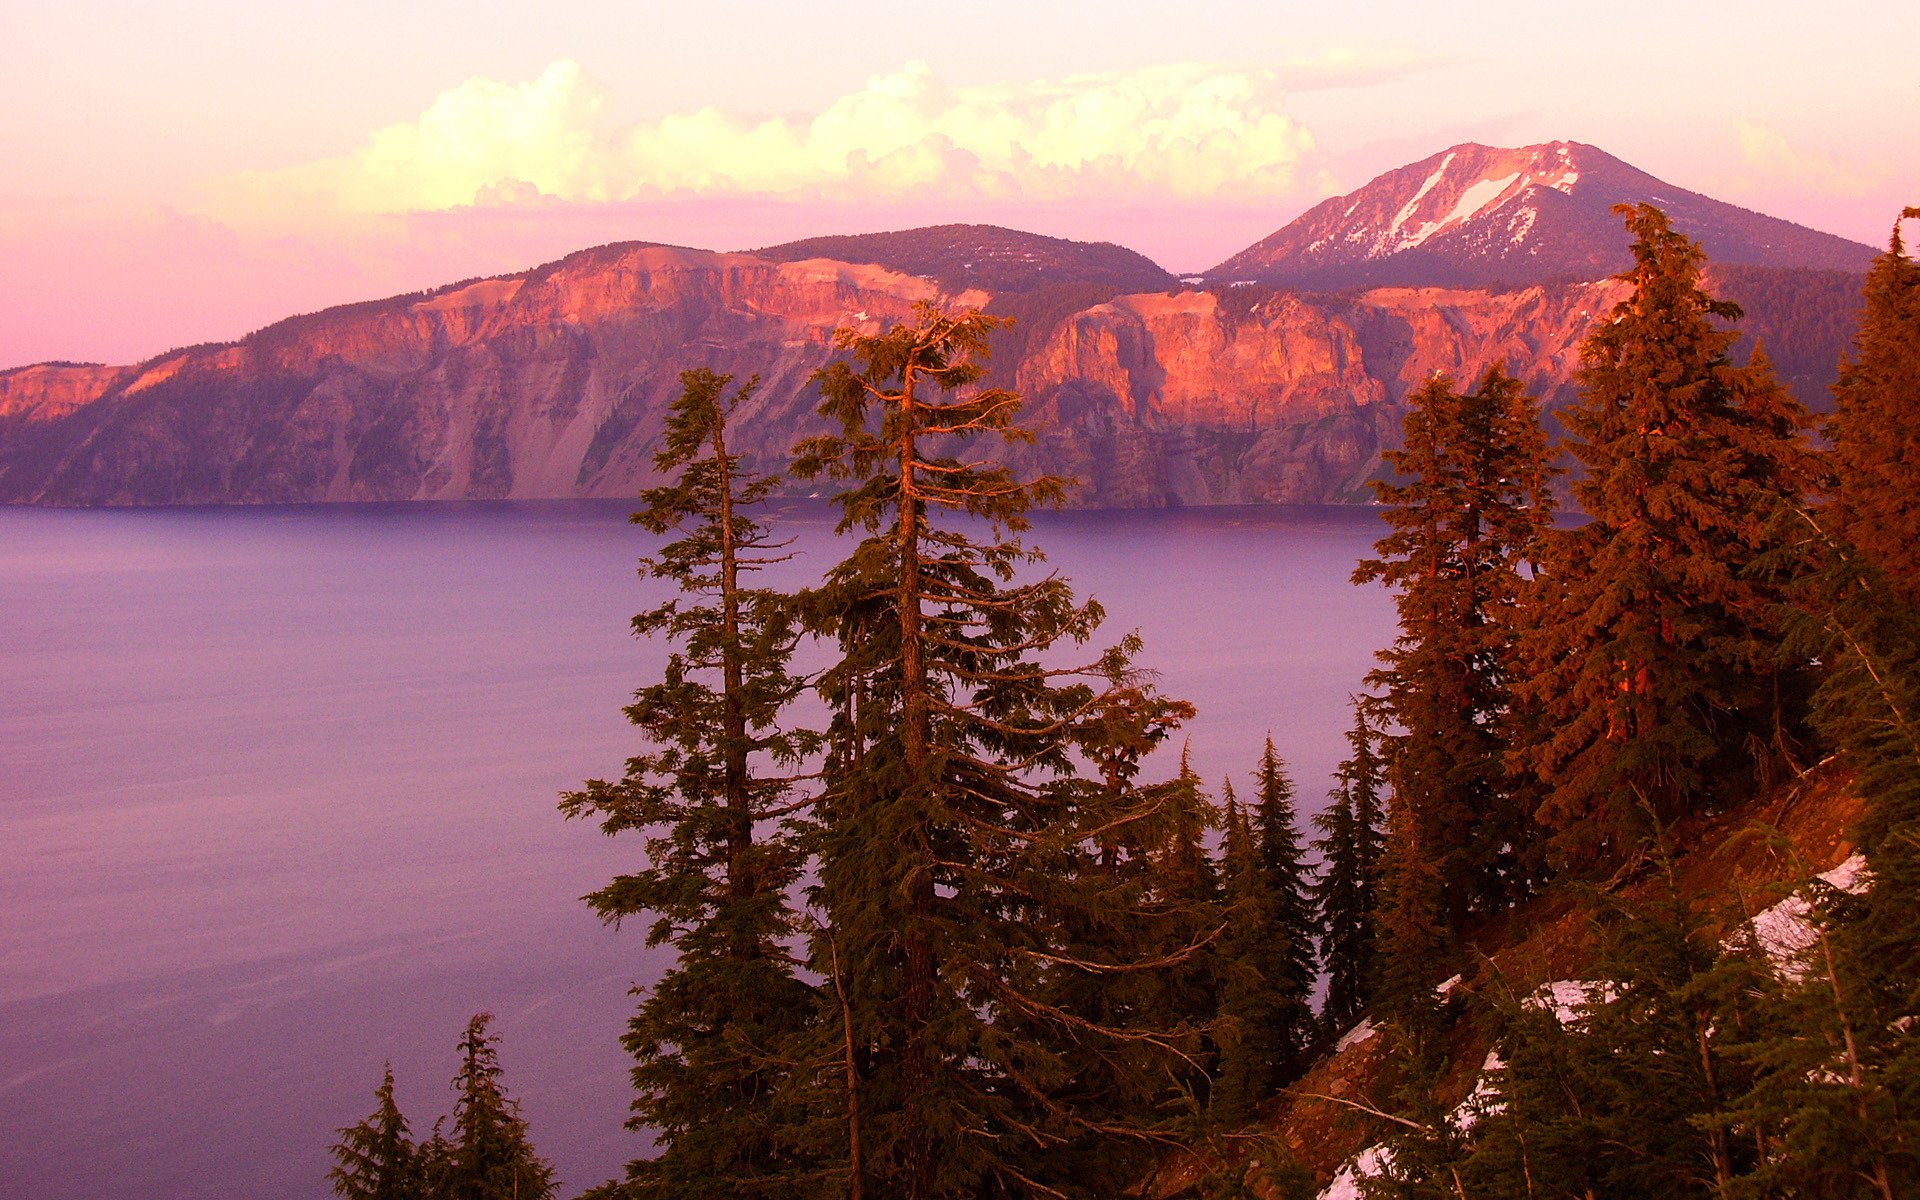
[
  {"x": 1206, "y": 398},
  {"x": 554, "y": 383},
  {"x": 549, "y": 383}
]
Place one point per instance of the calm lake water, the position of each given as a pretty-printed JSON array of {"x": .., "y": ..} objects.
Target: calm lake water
[{"x": 277, "y": 795}]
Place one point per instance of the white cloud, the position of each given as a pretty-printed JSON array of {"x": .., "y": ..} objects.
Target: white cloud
[
  {"x": 1186, "y": 132},
  {"x": 1765, "y": 151}
]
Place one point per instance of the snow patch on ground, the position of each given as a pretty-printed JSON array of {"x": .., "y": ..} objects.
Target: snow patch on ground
[
  {"x": 1370, "y": 1163},
  {"x": 1362, "y": 1032},
  {"x": 1568, "y": 999},
  {"x": 1786, "y": 931}
]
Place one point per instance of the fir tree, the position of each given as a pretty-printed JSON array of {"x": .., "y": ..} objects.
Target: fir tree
[
  {"x": 953, "y": 833},
  {"x": 1414, "y": 946},
  {"x": 1464, "y": 527},
  {"x": 1650, "y": 651},
  {"x": 709, "y": 1038},
  {"x": 1842, "y": 1073},
  {"x": 376, "y": 1157},
  {"x": 1346, "y": 891},
  {"x": 1876, "y": 442},
  {"x": 489, "y": 1156},
  {"x": 1267, "y": 955}
]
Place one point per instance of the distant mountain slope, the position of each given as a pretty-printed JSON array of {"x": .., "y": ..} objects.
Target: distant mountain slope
[
  {"x": 986, "y": 256},
  {"x": 1477, "y": 216}
]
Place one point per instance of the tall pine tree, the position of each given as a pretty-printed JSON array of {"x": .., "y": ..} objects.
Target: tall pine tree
[
  {"x": 1651, "y": 647},
  {"x": 1267, "y": 955},
  {"x": 710, "y": 1038},
  {"x": 1875, "y": 437},
  {"x": 1465, "y": 516},
  {"x": 1345, "y": 893},
  {"x": 951, "y": 832}
]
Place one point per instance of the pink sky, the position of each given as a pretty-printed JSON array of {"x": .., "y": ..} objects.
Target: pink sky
[{"x": 190, "y": 173}]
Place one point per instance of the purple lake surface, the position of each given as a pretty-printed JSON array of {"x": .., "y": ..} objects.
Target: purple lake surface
[{"x": 277, "y": 803}]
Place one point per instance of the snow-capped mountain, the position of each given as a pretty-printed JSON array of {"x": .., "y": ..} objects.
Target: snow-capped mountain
[{"x": 1480, "y": 215}]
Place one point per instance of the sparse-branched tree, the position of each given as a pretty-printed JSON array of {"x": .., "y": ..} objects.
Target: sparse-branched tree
[
  {"x": 710, "y": 1039},
  {"x": 954, "y": 834}
]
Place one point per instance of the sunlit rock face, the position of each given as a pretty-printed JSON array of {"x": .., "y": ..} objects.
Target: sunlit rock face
[
  {"x": 555, "y": 383},
  {"x": 1203, "y": 398}
]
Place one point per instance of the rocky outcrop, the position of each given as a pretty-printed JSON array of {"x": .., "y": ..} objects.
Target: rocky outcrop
[{"x": 1216, "y": 398}]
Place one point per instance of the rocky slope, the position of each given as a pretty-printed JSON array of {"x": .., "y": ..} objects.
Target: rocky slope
[{"x": 1482, "y": 215}]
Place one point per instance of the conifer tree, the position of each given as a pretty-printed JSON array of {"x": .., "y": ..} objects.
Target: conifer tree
[
  {"x": 709, "y": 1039},
  {"x": 1842, "y": 1072},
  {"x": 489, "y": 1155},
  {"x": 1267, "y": 955},
  {"x": 1875, "y": 439},
  {"x": 376, "y": 1156},
  {"x": 1464, "y": 526},
  {"x": 1414, "y": 945},
  {"x": 1346, "y": 891},
  {"x": 1650, "y": 648},
  {"x": 952, "y": 832}
]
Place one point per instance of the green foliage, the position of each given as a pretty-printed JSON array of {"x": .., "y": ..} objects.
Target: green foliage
[
  {"x": 1650, "y": 651},
  {"x": 959, "y": 850},
  {"x": 1345, "y": 894},
  {"x": 711, "y": 1039},
  {"x": 376, "y": 1159}
]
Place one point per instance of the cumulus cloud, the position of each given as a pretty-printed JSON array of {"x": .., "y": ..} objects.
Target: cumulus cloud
[
  {"x": 1183, "y": 132},
  {"x": 1765, "y": 151}
]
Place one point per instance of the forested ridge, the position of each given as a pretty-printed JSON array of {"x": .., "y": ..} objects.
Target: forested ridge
[{"x": 977, "y": 934}]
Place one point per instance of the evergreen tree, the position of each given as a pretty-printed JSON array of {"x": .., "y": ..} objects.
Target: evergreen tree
[
  {"x": 1414, "y": 946},
  {"x": 1267, "y": 955},
  {"x": 1650, "y": 649},
  {"x": 1842, "y": 1071},
  {"x": 1876, "y": 442},
  {"x": 376, "y": 1157},
  {"x": 953, "y": 833},
  {"x": 1346, "y": 890},
  {"x": 710, "y": 1037},
  {"x": 489, "y": 1156},
  {"x": 1637, "y": 1093},
  {"x": 1464, "y": 526}
]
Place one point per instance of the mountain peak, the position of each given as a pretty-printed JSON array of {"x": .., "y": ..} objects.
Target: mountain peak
[
  {"x": 1475, "y": 215},
  {"x": 985, "y": 256}
]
